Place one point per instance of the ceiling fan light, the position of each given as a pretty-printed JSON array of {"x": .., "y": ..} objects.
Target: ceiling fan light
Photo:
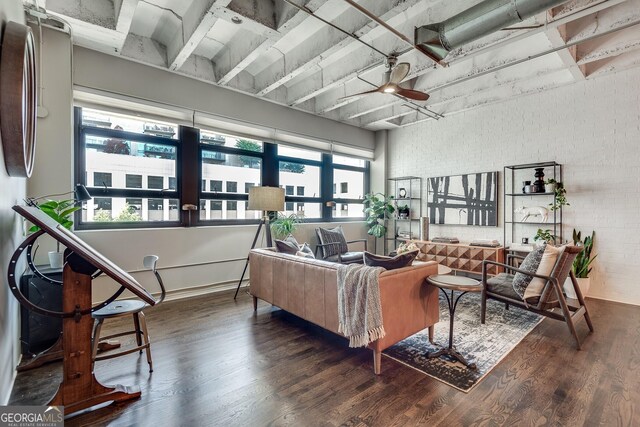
[{"x": 389, "y": 89}]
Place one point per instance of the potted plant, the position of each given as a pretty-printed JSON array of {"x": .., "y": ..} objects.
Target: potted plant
[
  {"x": 581, "y": 265},
  {"x": 559, "y": 194},
  {"x": 545, "y": 236},
  {"x": 61, "y": 211},
  {"x": 403, "y": 211},
  {"x": 377, "y": 208},
  {"x": 550, "y": 185},
  {"x": 284, "y": 225}
]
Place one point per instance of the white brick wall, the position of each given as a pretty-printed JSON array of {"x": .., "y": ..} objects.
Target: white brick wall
[{"x": 591, "y": 127}]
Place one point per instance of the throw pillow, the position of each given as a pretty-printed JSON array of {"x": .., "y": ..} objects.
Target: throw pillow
[
  {"x": 288, "y": 246},
  {"x": 548, "y": 261},
  {"x": 530, "y": 264},
  {"x": 305, "y": 251},
  {"x": 390, "y": 263},
  {"x": 334, "y": 235},
  {"x": 407, "y": 247}
]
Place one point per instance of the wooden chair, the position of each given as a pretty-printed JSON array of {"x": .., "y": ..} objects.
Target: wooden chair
[
  {"x": 125, "y": 308},
  {"x": 500, "y": 288},
  {"x": 341, "y": 256}
]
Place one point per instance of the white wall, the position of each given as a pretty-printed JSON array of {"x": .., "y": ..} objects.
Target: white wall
[
  {"x": 592, "y": 128},
  {"x": 12, "y": 191}
]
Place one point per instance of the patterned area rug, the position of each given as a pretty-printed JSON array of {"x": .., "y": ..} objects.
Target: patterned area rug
[{"x": 484, "y": 344}]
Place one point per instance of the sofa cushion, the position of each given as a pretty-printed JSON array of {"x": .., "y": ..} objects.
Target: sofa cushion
[
  {"x": 390, "y": 263},
  {"x": 548, "y": 261},
  {"x": 332, "y": 235},
  {"x": 288, "y": 246},
  {"x": 502, "y": 284},
  {"x": 305, "y": 251},
  {"x": 346, "y": 258},
  {"x": 530, "y": 264}
]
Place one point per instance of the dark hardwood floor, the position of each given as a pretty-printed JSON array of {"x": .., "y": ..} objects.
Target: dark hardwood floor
[{"x": 218, "y": 364}]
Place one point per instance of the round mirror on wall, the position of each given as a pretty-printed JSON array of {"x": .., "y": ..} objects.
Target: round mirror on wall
[{"x": 18, "y": 99}]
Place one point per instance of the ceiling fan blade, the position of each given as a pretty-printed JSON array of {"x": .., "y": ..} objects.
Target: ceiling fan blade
[
  {"x": 363, "y": 93},
  {"x": 412, "y": 94},
  {"x": 399, "y": 72}
]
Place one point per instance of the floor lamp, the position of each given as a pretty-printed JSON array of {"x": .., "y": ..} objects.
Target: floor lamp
[{"x": 265, "y": 199}]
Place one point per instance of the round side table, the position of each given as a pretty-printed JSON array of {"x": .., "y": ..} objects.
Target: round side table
[{"x": 453, "y": 283}]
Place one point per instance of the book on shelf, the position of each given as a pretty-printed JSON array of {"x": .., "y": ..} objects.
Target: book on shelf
[
  {"x": 488, "y": 243},
  {"x": 444, "y": 239}
]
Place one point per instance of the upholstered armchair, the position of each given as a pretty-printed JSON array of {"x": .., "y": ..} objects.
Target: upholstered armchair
[
  {"x": 334, "y": 247},
  {"x": 551, "y": 301}
]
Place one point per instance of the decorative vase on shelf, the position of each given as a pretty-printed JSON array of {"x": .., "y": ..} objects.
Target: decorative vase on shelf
[
  {"x": 539, "y": 182},
  {"x": 526, "y": 186}
]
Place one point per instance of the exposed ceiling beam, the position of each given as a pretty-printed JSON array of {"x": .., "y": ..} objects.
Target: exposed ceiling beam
[
  {"x": 524, "y": 88},
  {"x": 124, "y": 16},
  {"x": 557, "y": 37},
  {"x": 326, "y": 43},
  {"x": 242, "y": 51},
  {"x": 609, "y": 46},
  {"x": 358, "y": 58},
  {"x": 609, "y": 26},
  {"x": 579, "y": 9},
  {"x": 196, "y": 23}
]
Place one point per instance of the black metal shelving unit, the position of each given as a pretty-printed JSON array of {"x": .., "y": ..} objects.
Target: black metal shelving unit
[
  {"x": 413, "y": 187},
  {"x": 515, "y": 230}
]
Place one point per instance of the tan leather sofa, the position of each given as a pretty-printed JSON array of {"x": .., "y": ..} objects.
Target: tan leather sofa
[{"x": 308, "y": 288}]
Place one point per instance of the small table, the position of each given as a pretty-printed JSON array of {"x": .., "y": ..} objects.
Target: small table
[{"x": 453, "y": 283}]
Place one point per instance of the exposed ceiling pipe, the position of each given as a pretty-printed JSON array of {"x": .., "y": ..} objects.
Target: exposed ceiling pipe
[
  {"x": 393, "y": 31},
  {"x": 476, "y": 22}
]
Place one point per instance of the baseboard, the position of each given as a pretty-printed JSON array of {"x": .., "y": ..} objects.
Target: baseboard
[
  {"x": 193, "y": 291},
  {"x": 612, "y": 300}
]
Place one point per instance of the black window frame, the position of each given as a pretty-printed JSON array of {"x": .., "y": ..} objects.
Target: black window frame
[
  {"x": 189, "y": 152},
  {"x": 80, "y": 133}
]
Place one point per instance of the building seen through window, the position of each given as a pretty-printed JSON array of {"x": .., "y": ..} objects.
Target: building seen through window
[{"x": 131, "y": 170}]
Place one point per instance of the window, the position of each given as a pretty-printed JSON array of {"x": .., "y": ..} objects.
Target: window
[
  {"x": 141, "y": 171},
  {"x": 101, "y": 179},
  {"x": 123, "y": 161},
  {"x": 353, "y": 180},
  {"x": 133, "y": 181},
  {"x": 155, "y": 182}
]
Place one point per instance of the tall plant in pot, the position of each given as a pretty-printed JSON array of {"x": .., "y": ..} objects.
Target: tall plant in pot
[
  {"x": 284, "y": 225},
  {"x": 581, "y": 265},
  {"x": 61, "y": 211},
  {"x": 377, "y": 208}
]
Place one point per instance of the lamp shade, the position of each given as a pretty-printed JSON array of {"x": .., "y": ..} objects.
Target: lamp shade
[
  {"x": 266, "y": 199},
  {"x": 82, "y": 194}
]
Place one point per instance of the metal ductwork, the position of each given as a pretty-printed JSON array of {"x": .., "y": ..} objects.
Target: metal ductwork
[{"x": 437, "y": 40}]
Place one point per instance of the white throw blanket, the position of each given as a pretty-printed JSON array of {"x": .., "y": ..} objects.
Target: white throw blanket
[{"x": 359, "y": 308}]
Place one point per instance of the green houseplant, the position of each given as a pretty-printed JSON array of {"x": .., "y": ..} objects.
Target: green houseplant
[
  {"x": 377, "y": 208},
  {"x": 582, "y": 264},
  {"x": 545, "y": 236},
  {"x": 559, "y": 194},
  {"x": 61, "y": 211},
  {"x": 284, "y": 225}
]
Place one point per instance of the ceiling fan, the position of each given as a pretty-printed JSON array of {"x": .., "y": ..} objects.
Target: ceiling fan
[{"x": 392, "y": 77}]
